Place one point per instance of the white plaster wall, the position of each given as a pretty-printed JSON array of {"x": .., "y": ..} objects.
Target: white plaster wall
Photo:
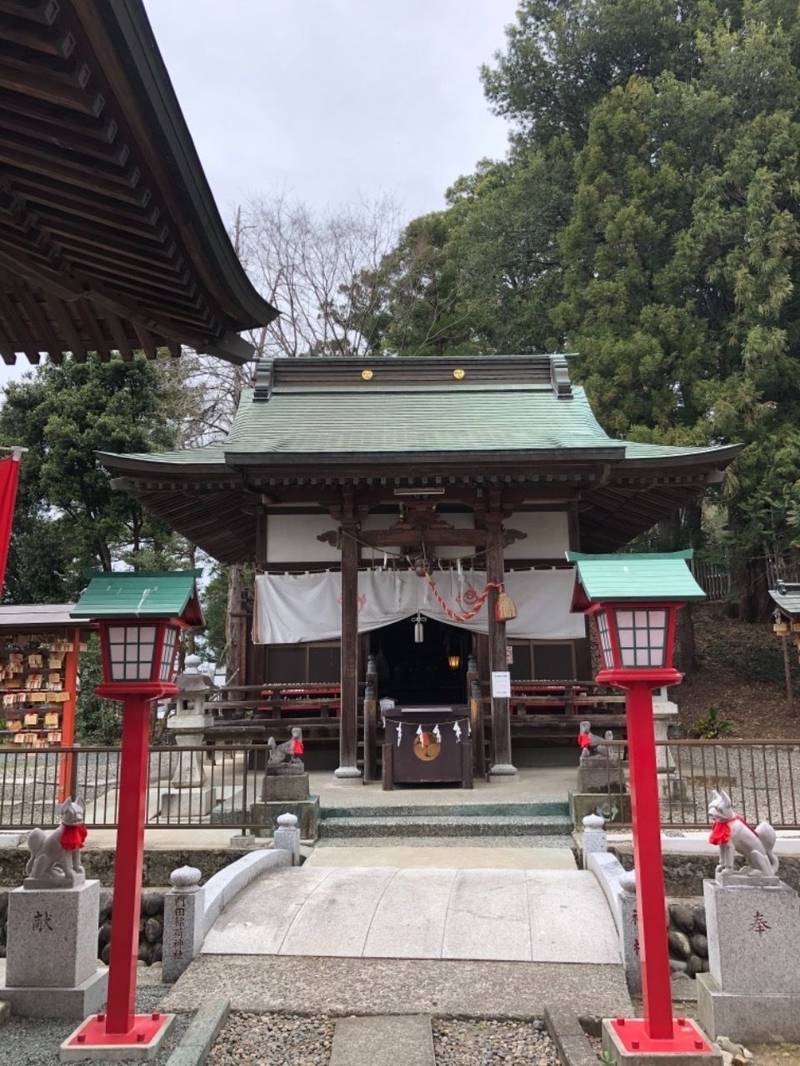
[
  {"x": 292, "y": 538},
  {"x": 547, "y": 535}
]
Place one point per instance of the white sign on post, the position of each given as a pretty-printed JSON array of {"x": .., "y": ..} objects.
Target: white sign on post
[{"x": 501, "y": 684}]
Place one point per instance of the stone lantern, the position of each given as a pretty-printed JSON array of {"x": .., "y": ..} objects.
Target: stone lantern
[{"x": 189, "y": 791}]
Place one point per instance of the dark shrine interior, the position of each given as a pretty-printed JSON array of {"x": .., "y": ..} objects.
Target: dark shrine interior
[{"x": 433, "y": 671}]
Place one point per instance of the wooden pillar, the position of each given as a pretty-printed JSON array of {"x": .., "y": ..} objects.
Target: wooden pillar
[
  {"x": 348, "y": 715},
  {"x": 501, "y": 718},
  {"x": 371, "y": 721}
]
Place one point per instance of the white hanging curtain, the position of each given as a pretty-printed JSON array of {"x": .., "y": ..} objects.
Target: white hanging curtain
[{"x": 291, "y": 609}]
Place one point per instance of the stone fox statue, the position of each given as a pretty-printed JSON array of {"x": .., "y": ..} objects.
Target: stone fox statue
[
  {"x": 56, "y": 856},
  {"x": 733, "y": 835}
]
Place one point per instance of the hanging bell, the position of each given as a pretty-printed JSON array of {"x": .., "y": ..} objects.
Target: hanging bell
[{"x": 419, "y": 630}]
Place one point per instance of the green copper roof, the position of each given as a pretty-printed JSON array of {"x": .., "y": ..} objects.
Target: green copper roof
[
  {"x": 787, "y": 597},
  {"x": 327, "y": 410},
  {"x": 416, "y": 421},
  {"x": 168, "y": 594},
  {"x": 654, "y": 576}
]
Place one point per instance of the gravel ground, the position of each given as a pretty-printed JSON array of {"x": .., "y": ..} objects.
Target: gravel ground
[
  {"x": 35, "y": 1042},
  {"x": 490, "y": 1043},
  {"x": 280, "y": 1039}
]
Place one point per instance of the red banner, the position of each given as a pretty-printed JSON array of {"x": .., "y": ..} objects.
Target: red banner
[{"x": 9, "y": 477}]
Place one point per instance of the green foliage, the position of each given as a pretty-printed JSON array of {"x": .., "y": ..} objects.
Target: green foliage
[
  {"x": 646, "y": 217},
  {"x": 215, "y": 602},
  {"x": 97, "y": 721},
  {"x": 68, "y": 516},
  {"x": 711, "y": 726}
]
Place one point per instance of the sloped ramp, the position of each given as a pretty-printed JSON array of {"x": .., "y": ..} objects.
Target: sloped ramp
[{"x": 388, "y": 913}]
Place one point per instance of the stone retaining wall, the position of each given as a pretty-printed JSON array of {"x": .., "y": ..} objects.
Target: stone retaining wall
[
  {"x": 99, "y": 863},
  {"x": 684, "y": 874},
  {"x": 688, "y": 946},
  {"x": 151, "y": 925}
]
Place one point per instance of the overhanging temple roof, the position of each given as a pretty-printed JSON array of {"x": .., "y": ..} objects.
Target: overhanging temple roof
[
  {"x": 507, "y": 421},
  {"x": 110, "y": 239}
]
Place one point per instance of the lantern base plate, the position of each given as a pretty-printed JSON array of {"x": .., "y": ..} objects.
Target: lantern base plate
[
  {"x": 91, "y": 1041},
  {"x": 628, "y": 1044}
]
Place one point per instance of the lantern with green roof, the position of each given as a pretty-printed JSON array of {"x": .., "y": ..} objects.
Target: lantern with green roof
[
  {"x": 140, "y": 618},
  {"x": 634, "y": 601}
]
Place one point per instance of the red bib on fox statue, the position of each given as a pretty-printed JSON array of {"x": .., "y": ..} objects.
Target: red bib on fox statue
[
  {"x": 721, "y": 831},
  {"x": 72, "y": 837},
  {"x": 298, "y": 747}
]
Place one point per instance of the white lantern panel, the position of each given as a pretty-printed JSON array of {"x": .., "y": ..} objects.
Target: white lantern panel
[
  {"x": 605, "y": 639},
  {"x": 167, "y": 666},
  {"x": 642, "y": 637}
]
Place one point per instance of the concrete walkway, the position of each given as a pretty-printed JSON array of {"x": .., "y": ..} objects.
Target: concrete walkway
[
  {"x": 389, "y": 913},
  {"x": 341, "y": 987}
]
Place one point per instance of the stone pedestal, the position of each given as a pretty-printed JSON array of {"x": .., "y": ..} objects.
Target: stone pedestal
[
  {"x": 284, "y": 786},
  {"x": 51, "y": 964},
  {"x": 752, "y": 990},
  {"x": 286, "y": 792},
  {"x": 306, "y": 811},
  {"x": 625, "y": 1043},
  {"x": 189, "y": 794},
  {"x": 602, "y": 775},
  {"x": 615, "y": 807}
]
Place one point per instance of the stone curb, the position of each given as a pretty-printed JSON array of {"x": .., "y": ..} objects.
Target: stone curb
[
  {"x": 199, "y": 1038},
  {"x": 569, "y": 1037}
]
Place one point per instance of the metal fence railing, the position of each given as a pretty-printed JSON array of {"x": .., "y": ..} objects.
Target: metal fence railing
[
  {"x": 188, "y": 788},
  {"x": 762, "y": 778},
  {"x": 221, "y": 785}
]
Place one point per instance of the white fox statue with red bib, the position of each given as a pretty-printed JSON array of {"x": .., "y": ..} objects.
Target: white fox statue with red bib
[
  {"x": 733, "y": 836},
  {"x": 55, "y": 860}
]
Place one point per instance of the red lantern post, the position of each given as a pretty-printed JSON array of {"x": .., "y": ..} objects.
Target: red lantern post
[
  {"x": 633, "y": 601},
  {"x": 140, "y": 619}
]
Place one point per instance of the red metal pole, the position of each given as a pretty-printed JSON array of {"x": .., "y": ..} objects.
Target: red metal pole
[
  {"x": 128, "y": 865},
  {"x": 652, "y": 917}
]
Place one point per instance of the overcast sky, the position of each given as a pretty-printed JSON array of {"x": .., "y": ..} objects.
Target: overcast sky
[{"x": 334, "y": 101}]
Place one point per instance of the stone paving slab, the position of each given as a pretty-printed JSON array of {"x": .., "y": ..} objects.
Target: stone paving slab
[
  {"x": 383, "y": 1040},
  {"x": 343, "y": 986},
  {"x": 385, "y": 912},
  {"x": 543, "y": 783},
  {"x": 453, "y": 855}
]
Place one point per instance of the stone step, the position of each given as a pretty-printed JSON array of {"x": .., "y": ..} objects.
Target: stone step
[
  {"x": 446, "y": 826},
  {"x": 461, "y": 810},
  {"x": 551, "y": 842},
  {"x": 383, "y": 1040}
]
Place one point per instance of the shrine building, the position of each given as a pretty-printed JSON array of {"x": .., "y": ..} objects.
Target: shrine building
[{"x": 377, "y": 499}]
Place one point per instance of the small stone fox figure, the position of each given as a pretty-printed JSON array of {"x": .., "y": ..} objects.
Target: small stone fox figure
[
  {"x": 733, "y": 835},
  {"x": 56, "y": 856}
]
